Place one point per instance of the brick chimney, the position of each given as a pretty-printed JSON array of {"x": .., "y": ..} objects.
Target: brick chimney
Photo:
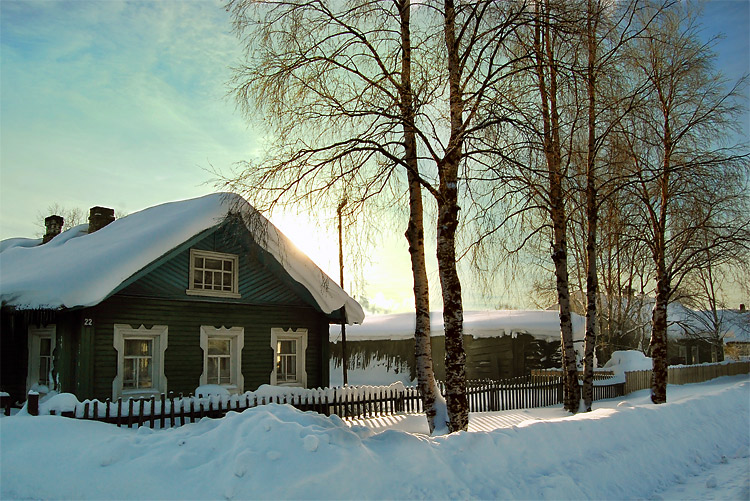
[
  {"x": 54, "y": 224},
  {"x": 742, "y": 307},
  {"x": 99, "y": 217}
]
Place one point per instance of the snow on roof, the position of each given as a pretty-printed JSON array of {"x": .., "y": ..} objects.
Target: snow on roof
[
  {"x": 78, "y": 269},
  {"x": 490, "y": 323},
  {"x": 685, "y": 323}
]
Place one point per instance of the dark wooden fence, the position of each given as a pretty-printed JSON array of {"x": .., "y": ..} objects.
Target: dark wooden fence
[
  {"x": 169, "y": 411},
  {"x": 524, "y": 392},
  {"x": 348, "y": 403}
]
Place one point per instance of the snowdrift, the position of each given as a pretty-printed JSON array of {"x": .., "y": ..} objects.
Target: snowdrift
[{"x": 629, "y": 450}]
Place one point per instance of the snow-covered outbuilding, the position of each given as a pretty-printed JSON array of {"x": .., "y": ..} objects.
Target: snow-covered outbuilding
[
  {"x": 499, "y": 344},
  {"x": 200, "y": 291}
]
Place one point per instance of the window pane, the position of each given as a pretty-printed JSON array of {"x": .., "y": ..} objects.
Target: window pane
[
  {"x": 144, "y": 373},
  {"x": 291, "y": 368},
  {"x": 208, "y": 279},
  {"x": 44, "y": 366},
  {"x": 45, "y": 346},
  {"x": 218, "y": 346},
  {"x": 287, "y": 347},
  {"x": 212, "y": 370},
  {"x": 213, "y": 264},
  {"x": 228, "y": 265},
  {"x": 227, "y": 280},
  {"x": 137, "y": 347},
  {"x": 128, "y": 378},
  {"x": 198, "y": 263},
  {"x": 224, "y": 374}
]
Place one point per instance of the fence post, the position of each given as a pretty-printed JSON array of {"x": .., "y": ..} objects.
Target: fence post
[{"x": 32, "y": 403}]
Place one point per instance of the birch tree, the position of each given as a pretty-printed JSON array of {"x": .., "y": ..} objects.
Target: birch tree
[
  {"x": 686, "y": 173},
  {"x": 335, "y": 85}
]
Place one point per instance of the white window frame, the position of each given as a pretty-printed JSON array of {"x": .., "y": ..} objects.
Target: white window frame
[
  {"x": 197, "y": 253},
  {"x": 35, "y": 335},
  {"x": 300, "y": 336},
  {"x": 236, "y": 335},
  {"x": 159, "y": 335}
]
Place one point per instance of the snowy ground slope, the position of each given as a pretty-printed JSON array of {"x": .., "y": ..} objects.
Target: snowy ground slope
[{"x": 625, "y": 449}]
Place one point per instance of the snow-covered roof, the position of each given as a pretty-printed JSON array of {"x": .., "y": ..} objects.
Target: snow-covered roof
[
  {"x": 490, "y": 323},
  {"x": 78, "y": 269}
]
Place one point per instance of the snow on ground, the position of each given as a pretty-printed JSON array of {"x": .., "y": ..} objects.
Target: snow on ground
[{"x": 696, "y": 446}]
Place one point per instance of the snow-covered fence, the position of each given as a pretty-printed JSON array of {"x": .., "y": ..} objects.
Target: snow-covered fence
[
  {"x": 348, "y": 402},
  {"x": 517, "y": 393},
  {"x": 525, "y": 392},
  {"x": 684, "y": 374},
  {"x": 169, "y": 411}
]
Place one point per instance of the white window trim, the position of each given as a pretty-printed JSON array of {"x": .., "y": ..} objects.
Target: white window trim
[
  {"x": 190, "y": 291},
  {"x": 159, "y": 334},
  {"x": 35, "y": 334},
  {"x": 299, "y": 335},
  {"x": 237, "y": 338}
]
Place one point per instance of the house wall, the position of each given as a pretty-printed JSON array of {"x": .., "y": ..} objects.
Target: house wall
[
  {"x": 13, "y": 355},
  {"x": 486, "y": 358},
  {"x": 184, "y": 357},
  {"x": 696, "y": 351}
]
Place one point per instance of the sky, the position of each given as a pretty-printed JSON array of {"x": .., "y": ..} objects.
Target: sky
[{"x": 124, "y": 105}]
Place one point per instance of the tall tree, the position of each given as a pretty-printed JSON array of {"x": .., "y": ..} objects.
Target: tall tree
[
  {"x": 335, "y": 83},
  {"x": 549, "y": 29},
  {"x": 338, "y": 85},
  {"x": 685, "y": 177},
  {"x": 415, "y": 233}
]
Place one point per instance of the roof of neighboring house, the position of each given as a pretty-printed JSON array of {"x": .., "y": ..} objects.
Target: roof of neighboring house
[
  {"x": 490, "y": 323},
  {"x": 686, "y": 323},
  {"x": 78, "y": 269}
]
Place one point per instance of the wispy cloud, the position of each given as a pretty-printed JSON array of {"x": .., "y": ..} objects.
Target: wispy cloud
[{"x": 104, "y": 96}]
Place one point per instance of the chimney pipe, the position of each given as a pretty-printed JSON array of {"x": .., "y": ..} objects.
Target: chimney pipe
[
  {"x": 742, "y": 307},
  {"x": 54, "y": 224},
  {"x": 99, "y": 217}
]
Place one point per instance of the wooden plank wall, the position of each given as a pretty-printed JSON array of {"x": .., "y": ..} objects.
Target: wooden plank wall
[{"x": 184, "y": 357}]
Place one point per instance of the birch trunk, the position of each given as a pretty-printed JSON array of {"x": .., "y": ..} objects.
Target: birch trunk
[
  {"x": 592, "y": 216},
  {"x": 547, "y": 80},
  {"x": 659, "y": 337},
  {"x": 447, "y": 224},
  {"x": 415, "y": 234},
  {"x": 663, "y": 280}
]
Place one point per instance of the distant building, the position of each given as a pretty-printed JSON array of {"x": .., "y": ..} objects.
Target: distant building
[{"x": 499, "y": 344}]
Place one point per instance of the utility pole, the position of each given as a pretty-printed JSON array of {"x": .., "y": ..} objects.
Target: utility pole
[{"x": 341, "y": 269}]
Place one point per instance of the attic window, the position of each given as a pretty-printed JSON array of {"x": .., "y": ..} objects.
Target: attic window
[{"x": 213, "y": 274}]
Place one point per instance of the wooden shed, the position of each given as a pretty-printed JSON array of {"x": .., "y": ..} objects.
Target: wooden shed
[{"x": 499, "y": 344}]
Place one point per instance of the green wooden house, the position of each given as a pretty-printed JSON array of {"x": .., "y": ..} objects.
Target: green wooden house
[{"x": 202, "y": 291}]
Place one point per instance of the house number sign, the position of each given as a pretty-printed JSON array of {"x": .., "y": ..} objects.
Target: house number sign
[{"x": 88, "y": 322}]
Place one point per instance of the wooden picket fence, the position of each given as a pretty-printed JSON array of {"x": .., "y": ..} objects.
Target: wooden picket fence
[
  {"x": 348, "y": 403},
  {"x": 170, "y": 411},
  {"x": 641, "y": 380},
  {"x": 488, "y": 395}
]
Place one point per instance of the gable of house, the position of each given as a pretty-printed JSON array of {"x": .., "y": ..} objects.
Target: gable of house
[{"x": 257, "y": 282}]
